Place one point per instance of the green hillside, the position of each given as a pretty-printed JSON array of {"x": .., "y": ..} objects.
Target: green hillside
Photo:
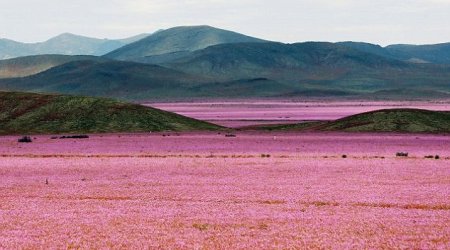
[
  {"x": 24, "y": 113},
  {"x": 387, "y": 120},
  {"x": 393, "y": 120}
]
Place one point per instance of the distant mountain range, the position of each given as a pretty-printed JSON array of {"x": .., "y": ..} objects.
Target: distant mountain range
[
  {"x": 166, "y": 45},
  {"x": 64, "y": 44},
  {"x": 313, "y": 66},
  {"x": 202, "y": 61}
]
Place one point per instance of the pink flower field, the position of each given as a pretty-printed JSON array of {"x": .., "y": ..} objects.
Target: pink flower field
[
  {"x": 208, "y": 191},
  {"x": 244, "y": 113}
]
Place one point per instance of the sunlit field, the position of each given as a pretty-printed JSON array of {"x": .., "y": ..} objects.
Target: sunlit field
[{"x": 205, "y": 190}]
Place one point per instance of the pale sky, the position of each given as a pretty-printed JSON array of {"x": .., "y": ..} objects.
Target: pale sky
[{"x": 376, "y": 21}]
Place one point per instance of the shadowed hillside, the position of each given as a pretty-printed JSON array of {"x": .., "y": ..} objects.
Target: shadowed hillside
[
  {"x": 370, "y": 48},
  {"x": 136, "y": 81},
  {"x": 48, "y": 114},
  {"x": 435, "y": 53},
  {"x": 123, "y": 80},
  {"x": 234, "y": 61}
]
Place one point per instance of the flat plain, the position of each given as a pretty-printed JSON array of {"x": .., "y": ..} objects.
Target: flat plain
[
  {"x": 242, "y": 113},
  {"x": 206, "y": 190}
]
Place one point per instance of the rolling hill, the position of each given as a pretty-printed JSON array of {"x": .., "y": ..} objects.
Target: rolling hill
[
  {"x": 64, "y": 44},
  {"x": 387, "y": 120},
  {"x": 137, "y": 82},
  {"x": 24, "y": 113},
  {"x": 31, "y": 65},
  {"x": 393, "y": 120},
  {"x": 167, "y": 45},
  {"x": 116, "y": 79}
]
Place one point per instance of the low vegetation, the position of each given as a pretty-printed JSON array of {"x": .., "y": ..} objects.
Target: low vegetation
[
  {"x": 393, "y": 120},
  {"x": 25, "y": 139},
  {"x": 74, "y": 137},
  {"x": 402, "y": 154},
  {"x": 24, "y": 113},
  {"x": 286, "y": 127},
  {"x": 388, "y": 120}
]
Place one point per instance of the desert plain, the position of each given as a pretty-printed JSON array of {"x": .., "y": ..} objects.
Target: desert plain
[{"x": 207, "y": 190}]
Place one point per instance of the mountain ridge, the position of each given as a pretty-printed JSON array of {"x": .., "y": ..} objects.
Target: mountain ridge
[
  {"x": 316, "y": 65},
  {"x": 64, "y": 44},
  {"x": 312, "y": 69},
  {"x": 178, "y": 39},
  {"x": 114, "y": 48}
]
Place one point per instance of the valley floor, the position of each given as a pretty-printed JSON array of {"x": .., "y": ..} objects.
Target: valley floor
[
  {"x": 205, "y": 190},
  {"x": 240, "y": 113}
]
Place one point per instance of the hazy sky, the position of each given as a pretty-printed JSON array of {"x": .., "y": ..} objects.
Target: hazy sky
[{"x": 376, "y": 21}]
